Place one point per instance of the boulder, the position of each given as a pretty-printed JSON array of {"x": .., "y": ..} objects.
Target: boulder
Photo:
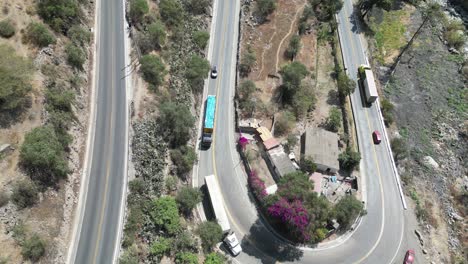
[{"x": 430, "y": 162}]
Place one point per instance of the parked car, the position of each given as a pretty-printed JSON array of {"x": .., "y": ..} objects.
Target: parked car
[
  {"x": 376, "y": 137},
  {"x": 409, "y": 257},
  {"x": 214, "y": 72}
]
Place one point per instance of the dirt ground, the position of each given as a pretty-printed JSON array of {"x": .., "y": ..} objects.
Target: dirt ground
[{"x": 52, "y": 215}]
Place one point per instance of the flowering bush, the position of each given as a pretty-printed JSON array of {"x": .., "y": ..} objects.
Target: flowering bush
[
  {"x": 258, "y": 185},
  {"x": 293, "y": 214}
]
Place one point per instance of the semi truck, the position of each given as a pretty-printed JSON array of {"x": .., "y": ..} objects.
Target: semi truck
[
  {"x": 366, "y": 78},
  {"x": 214, "y": 192},
  {"x": 208, "y": 124}
]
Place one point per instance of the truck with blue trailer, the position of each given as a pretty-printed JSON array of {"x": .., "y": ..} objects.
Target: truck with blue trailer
[{"x": 208, "y": 124}]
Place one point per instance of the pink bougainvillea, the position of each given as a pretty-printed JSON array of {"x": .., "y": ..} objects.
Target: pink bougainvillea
[
  {"x": 258, "y": 185},
  {"x": 293, "y": 214}
]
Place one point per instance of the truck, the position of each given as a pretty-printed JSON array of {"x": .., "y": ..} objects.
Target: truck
[
  {"x": 214, "y": 192},
  {"x": 208, "y": 124},
  {"x": 366, "y": 78}
]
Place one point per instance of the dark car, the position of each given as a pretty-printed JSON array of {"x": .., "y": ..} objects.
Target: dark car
[
  {"x": 376, "y": 137},
  {"x": 409, "y": 257},
  {"x": 214, "y": 72}
]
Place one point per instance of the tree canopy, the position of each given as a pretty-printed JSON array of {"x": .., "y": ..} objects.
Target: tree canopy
[
  {"x": 157, "y": 34},
  {"x": 349, "y": 159},
  {"x": 153, "y": 70},
  {"x": 177, "y": 121},
  {"x": 347, "y": 209},
  {"x": 210, "y": 234},
  {"x": 197, "y": 71},
  {"x": 165, "y": 214},
  {"x": 188, "y": 198},
  {"x": 60, "y": 14},
  {"x": 171, "y": 12},
  {"x": 137, "y": 10},
  {"x": 292, "y": 75},
  {"x": 294, "y": 47}
]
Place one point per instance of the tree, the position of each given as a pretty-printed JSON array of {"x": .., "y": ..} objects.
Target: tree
[
  {"x": 201, "y": 38},
  {"x": 294, "y": 47},
  {"x": 197, "y": 71},
  {"x": 39, "y": 35},
  {"x": 265, "y": 7},
  {"x": 157, "y": 34},
  {"x": 246, "y": 89},
  {"x": 171, "y": 12},
  {"x": 138, "y": 9},
  {"x": 366, "y": 5},
  {"x": 214, "y": 258},
  {"x": 79, "y": 35},
  {"x": 303, "y": 100},
  {"x": 247, "y": 62},
  {"x": 183, "y": 158},
  {"x": 75, "y": 56},
  {"x": 399, "y": 148},
  {"x": 320, "y": 212},
  {"x": 60, "y": 14},
  {"x": 43, "y": 155},
  {"x": 284, "y": 123},
  {"x": 326, "y": 9},
  {"x": 294, "y": 186},
  {"x": 303, "y": 25},
  {"x": 188, "y": 198},
  {"x": 308, "y": 165},
  {"x": 349, "y": 159},
  {"x": 177, "y": 120},
  {"x": 153, "y": 70},
  {"x": 198, "y": 7},
  {"x": 24, "y": 194},
  {"x": 210, "y": 234},
  {"x": 7, "y": 29},
  {"x": 293, "y": 215},
  {"x": 333, "y": 122},
  {"x": 186, "y": 258},
  {"x": 160, "y": 247},
  {"x": 292, "y": 75},
  {"x": 347, "y": 209},
  {"x": 33, "y": 248},
  {"x": 346, "y": 85},
  {"x": 15, "y": 78},
  {"x": 165, "y": 214}
]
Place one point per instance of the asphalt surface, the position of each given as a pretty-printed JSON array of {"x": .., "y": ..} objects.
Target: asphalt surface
[
  {"x": 100, "y": 225},
  {"x": 381, "y": 236}
]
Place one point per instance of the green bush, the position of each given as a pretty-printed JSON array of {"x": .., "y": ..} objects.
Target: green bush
[
  {"x": 346, "y": 85},
  {"x": 214, "y": 258},
  {"x": 198, "y": 7},
  {"x": 43, "y": 155},
  {"x": 160, "y": 247},
  {"x": 247, "y": 62},
  {"x": 197, "y": 71},
  {"x": 129, "y": 256},
  {"x": 177, "y": 120},
  {"x": 387, "y": 111},
  {"x": 333, "y": 122},
  {"x": 39, "y": 35},
  {"x": 33, "y": 248},
  {"x": 157, "y": 34},
  {"x": 183, "y": 158},
  {"x": 349, "y": 159},
  {"x": 303, "y": 100},
  {"x": 292, "y": 75},
  {"x": 188, "y": 198},
  {"x": 265, "y": 7},
  {"x": 171, "y": 183},
  {"x": 201, "y": 38},
  {"x": 165, "y": 214},
  {"x": 294, "y": 47},
  {"x": 15, "y": 78},
  {"x": 347, "y": 209},
  {"x": 60, "y": 14},
  {"x": 185, "y": 242},
  {"x": 153, "y": 70},
  {"x": 186, "y": 258},
  {"x": 284, "y": 123},
  {"x": 455, "y": 38},
  {"x": 79, "y": 35},
  {"x": 75, "y": 56},
  {"x": 24, "y": 194},
  {"x": 60, "y": 99},
  {"x": 246, "y": 89},
  {"x": 399, "y": 148},
  {"x": 138, "y": 9},
  {"x": 171, "y": 12},
  {"x": 7, "y": 30},
  {"x": 210, "y": 234},
  {"x": 308, "y": 165},
  {"x": 294, "y": 185}
]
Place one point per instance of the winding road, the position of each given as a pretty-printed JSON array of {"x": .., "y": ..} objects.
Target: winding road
[{"x": 381, "y": 236}]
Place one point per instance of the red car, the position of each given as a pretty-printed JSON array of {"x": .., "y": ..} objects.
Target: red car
[
  {"x": 376, "y": 137},
  {"x": 409, "y": 257}
]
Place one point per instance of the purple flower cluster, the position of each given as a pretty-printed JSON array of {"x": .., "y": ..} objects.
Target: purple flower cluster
[
  {"x": 293, "y": 214},
  {"x": 258, "y": 185}
]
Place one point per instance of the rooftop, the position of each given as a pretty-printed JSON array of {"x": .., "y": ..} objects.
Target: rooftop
[
  {"x": 321, "y": 146},
  {"x": 281, "y": 161}
]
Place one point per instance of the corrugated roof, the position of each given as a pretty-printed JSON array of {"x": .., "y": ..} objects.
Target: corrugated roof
[
  {"x": 270, "y": 143},
  {"x": 264, "y": 133},
  {"x": 210, "y": 111},
  {"x": 322, "y": 147},
  {"x": 281, "y": 161}
]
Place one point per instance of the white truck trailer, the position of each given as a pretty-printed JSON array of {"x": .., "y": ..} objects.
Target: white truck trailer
[
  {"x": 217, "y": 203},
  {"x": 366, "y": 77}
]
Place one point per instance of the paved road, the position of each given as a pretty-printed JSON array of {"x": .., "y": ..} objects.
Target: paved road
[
  {"x": 99, "y": 229},
  {"x": 379, "y": 236}
]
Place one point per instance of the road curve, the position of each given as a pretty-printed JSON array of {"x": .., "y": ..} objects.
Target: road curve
[
  {"x": 378, "y": 238},
  {"x": 95, "y": 241}
]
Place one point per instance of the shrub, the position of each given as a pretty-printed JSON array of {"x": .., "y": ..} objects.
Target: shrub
[
  {"x": 201, "y": 38},
  {"x": 346, "y": 85},
  {"x": 177, "y": 121},
  {"x": 129, "y": 256},
  {"x": 165, "y": 214},
  {"x": 294, "y": 186},
  {"x": 24, "y": 194},
  {"x": 33, "y": 248},
  {"x": 455, "y": 38},
  {"x": 39, "y": 35},
  {"x": 15, "y": 77},
  {"x": 160, "y": 247},
  {"x": 284, "y": 123},
  {"x": 347, "y": 209},
  {"x": 399, "y": 148},
  {"x": 43, "y": 155},
  {"x": 294, "y": 47},
  {"x": 246, "y": 89},
  {"x": 75, "y": 56},
  {"x": 265, "y": 7},
  {"x": 387, "y": 110},
  {"x": 188, "y": 198},
  {"x": 60, "y": 99},
  {"x": 197, "y": 71},
  {"x": 292, "y": 75},
  {"x": 257, "y": 185},
  {"x": 333, "y": 122},
  {"x": 171, "y": 12},
  {"x": 303, "y": 100},
  {"x": 171, "y": 183},
  {"x": 157, "y": 34},
  {"x": 247, "y": 62},
  {"x": 185, "y": 242},
  {"x": 292, "y": 141},
  {"x": 138, "y": 9},
  {"x": 210, "y": 234},
  {"x": 349, "y": 159},
  {"x": 79, "y": 35},
  {"x": 198, "y": 7},
  {"x": 4, "y": 198},
  {"x": 214, "y": 258},
  {"x": 183, "y": 158},
  {"x": 7, "y": 30},
  {"x": 153, "y": 70},
  {"x": 186, "y": 258},
  {"x": 60, "y": 14},
  {"x": 308, "y": 165}
]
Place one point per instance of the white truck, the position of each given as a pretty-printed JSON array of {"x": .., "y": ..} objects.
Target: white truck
[
  {"x": 217, "y": 203},
  {"x": 366, "y": 78}
]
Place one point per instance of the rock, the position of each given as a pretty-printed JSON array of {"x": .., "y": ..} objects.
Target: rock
[
  {"x": 430, "y": 162},
  {"x": 4, "y": 147},
  {"x": 424, "y": 251},
  {"x": 456, "y": 216},
  {"x": 454, "y": 51},
  {"x": 419, "y": 236}
]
